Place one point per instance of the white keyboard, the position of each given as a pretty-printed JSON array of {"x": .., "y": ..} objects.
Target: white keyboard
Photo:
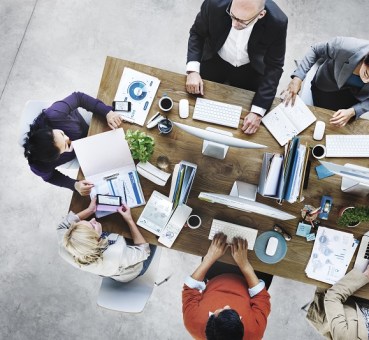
[
  {"x": 217, "y": 113},
  {"x": 347, "y": 145},
  {"x": 362, "y": 257},
  {"x": 233, "y": 230}
]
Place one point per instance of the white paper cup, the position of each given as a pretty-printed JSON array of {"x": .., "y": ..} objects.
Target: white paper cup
[{"x": 194, "y": 221}]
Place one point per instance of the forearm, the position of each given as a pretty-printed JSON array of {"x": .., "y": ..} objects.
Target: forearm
[
  {"x": 86, "y": 213},
  {"x": 202, "y": 269},
  {"x": 92, "y": 104},
  {"x": 136, "y": 234},
  {"x": 250, "y": 276}
]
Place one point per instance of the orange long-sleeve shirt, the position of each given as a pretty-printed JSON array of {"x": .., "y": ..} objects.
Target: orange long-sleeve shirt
[{"x": 222, "y": 290}]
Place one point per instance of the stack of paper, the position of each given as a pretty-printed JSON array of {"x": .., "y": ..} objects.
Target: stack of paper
[
  {"x": 331, "y": 255},
  {"x": 183, "y": 177},
  {"x": 283, "y": 177}
]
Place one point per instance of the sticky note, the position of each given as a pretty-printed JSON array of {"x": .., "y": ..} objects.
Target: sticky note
[
  {"x": 310, "y": 237},
  {"x": 323, "y": 172},
  {"x": 303, "y": 229}
]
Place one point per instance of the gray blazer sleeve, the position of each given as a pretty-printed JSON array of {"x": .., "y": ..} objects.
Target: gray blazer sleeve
[{"x": 322, "y": 50}]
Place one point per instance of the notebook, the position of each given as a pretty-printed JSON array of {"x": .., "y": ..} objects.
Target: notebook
[{"x": 285, "y": 122}]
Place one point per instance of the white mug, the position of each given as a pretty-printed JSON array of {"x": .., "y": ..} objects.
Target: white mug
[
  {"x": 165, "y": 103},
  {"x": 194, "y": 221},
  {"x": 319, "y": 151}
]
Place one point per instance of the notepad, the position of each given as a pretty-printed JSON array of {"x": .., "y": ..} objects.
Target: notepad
[{"x": 285, "y": 122}]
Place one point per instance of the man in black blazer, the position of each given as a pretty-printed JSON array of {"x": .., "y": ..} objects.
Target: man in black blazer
[{"x": 242, "y": 42}]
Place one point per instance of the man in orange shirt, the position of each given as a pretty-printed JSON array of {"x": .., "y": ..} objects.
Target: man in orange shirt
[{"x": 229, "y": 306}]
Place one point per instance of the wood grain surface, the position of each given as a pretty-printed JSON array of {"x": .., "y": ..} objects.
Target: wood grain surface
[{"x": 218, "y": 175}]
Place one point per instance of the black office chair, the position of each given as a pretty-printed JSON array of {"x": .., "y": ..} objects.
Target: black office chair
[{"x": 219, "y": 268}]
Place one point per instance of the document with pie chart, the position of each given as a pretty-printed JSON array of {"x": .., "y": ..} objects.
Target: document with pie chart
[{"x": 139, "y": 89}]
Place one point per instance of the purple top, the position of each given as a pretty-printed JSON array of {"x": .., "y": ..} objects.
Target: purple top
[{"x": 64, "y": 115}]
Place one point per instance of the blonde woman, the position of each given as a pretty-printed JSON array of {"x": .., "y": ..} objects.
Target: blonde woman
[{"x": 83, "y": 244}]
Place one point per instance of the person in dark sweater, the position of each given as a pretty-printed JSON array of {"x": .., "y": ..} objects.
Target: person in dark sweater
[{"x": 48, "y": 142}]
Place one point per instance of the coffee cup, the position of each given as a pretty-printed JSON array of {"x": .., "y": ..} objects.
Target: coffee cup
[
  {"x": 165, "y": 126},
  {"x": 194, "y": 221},
  {"x": 318, "y": 151},
  {"x": 165, "y": 103}
]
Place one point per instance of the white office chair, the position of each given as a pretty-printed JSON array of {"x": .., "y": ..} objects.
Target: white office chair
[
  {"x": 305, "y": 92},
  {"x": 31, "y": 110},
  {"x": 129, "y": 297}
]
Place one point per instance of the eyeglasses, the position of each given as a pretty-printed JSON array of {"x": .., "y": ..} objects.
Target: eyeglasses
[
  {"x": 280, "y": 230},
  {"x": 243, "y": 23}
]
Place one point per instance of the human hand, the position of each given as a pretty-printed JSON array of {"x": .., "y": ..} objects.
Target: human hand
[
  {"x": 251, "y": 123},
  {"x": 83, "y": 187},
  {"x": 194, "y": 83},
  {"x": 125, "y": 212},
  {"x": 217, "y": 248},
  {"x": 113, "y": 119},
  {"x": 239, "y": 253},
  {"x": 292, "y": 90},
  {"x": 342, "y": 116}
]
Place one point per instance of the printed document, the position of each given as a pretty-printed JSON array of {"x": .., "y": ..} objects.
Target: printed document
[
  {"x": 106, "y": 161},
  {"x": 331, "y": 255}
]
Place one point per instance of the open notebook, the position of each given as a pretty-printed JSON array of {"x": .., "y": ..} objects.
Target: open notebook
[
  {"x": 106, "y": 161},
  {"x": 285, "y": 122}
]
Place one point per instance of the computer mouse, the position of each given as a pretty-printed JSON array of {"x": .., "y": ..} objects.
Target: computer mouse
[
  {"x": 272, "y": 246},
  {"x": 184, "y": 108},
  {"x": 319, "y": 130}
]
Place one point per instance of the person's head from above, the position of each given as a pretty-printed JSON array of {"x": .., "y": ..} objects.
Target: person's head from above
[
  {"x": 245, "y": 12},
  {"x": 46, "y": 144},
  {"x": 225, "y": 323},
  {"x": 364, "y": 69},
  {"x": 83, "y": 241}
]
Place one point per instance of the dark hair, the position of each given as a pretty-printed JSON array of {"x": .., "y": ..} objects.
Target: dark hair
[
  {"x": 39, "y": 145},
  {"x": 366, "y": 59},
  {"x": 227, "y": 325}
]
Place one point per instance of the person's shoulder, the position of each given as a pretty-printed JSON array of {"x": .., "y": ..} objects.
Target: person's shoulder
[
  {"x": 349, "y": 43},
  {"x": 274, "y": 13}
]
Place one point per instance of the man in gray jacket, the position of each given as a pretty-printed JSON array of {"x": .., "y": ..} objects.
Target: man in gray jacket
[{"x": 342, "y": 80}]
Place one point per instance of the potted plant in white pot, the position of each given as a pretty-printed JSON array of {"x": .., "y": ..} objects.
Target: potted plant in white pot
[{"x": 352, "y": 216}]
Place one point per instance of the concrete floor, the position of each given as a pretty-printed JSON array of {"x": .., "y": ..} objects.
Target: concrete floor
[{"x": 49, "y": 48}]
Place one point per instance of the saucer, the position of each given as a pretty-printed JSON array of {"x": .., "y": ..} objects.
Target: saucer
[{"x": 261, "y": 244}]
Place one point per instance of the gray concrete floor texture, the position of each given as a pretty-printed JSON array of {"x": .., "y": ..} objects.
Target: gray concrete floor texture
[{"x": 49, "y": 49}]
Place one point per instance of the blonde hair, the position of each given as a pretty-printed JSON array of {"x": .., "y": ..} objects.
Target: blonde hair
[{"x": 84, "y": 244}]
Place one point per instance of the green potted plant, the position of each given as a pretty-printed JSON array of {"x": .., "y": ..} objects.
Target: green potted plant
[
  {"x": 140, "y": 144},
  {"x": 352, "y": 216}
]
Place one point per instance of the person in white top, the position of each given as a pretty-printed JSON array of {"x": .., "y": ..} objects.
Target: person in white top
[
  {"x": 240, "y": 42},
  {"x": 84, "y": 245}
]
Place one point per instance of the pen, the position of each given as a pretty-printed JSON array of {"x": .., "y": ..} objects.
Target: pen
[
  {"x": 125, "y": 192},
  {"x": 165, "y": 280},
  {"x": 153, "y": 117}
]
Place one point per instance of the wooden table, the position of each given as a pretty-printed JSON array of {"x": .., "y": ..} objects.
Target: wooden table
[{"x": 218, "y": 175}]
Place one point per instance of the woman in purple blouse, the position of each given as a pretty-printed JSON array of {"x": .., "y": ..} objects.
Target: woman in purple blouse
[{"x": 48, "y": 143}]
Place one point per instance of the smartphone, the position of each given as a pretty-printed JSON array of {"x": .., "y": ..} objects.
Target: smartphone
[
  {"x": 121, "y": 106},
  {"x": 109, "y": 200}
]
